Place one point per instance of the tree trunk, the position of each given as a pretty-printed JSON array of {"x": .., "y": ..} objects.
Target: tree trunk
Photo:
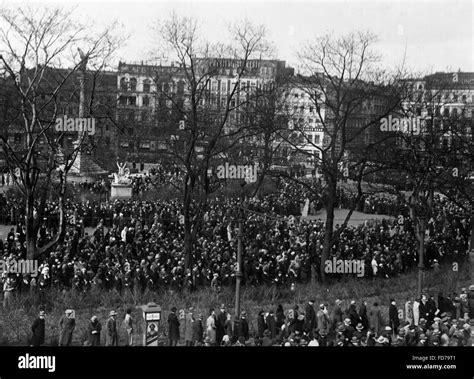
[
  {"x": 329, "y": 228},
  {"x": 30, "y": 228}
]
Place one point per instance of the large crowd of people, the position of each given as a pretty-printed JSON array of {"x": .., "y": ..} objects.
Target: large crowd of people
[{"x": 142, "y": 246}]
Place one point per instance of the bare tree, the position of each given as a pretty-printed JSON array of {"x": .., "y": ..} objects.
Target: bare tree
[
  {"x": 35, "y": 45},
  {"x": 350, "y": 96},
  {"x": 211, "y": 123}
]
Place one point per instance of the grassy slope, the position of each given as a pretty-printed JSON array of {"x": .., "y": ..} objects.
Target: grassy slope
[{"x": 15, "y": 322}]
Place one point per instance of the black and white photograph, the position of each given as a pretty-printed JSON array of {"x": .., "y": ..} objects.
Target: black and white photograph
[{"x": 196, "y": 175}]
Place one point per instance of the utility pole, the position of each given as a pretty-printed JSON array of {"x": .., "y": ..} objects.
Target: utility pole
[{"x": 421, "y": 256}]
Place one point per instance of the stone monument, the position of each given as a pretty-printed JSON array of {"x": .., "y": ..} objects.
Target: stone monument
[{"x": 122, "y": 184}]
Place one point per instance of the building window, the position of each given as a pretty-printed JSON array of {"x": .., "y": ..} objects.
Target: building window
[
  {"x": 122, "y": 100},
  {"x": 133, "y": 84},
  {"x": 446, "y": 112},
  {"x": 146, "y": 101},
  {"x": 123, "y": 84},
  {"x": 317, "y": 139},
  {"x": 132, "y": 100},
  {"x": 214, "y": 85},
  {"x": 223, "y": 86},
  {"x": 146, "y": 86},
  {"x": 455, "y": 97}
]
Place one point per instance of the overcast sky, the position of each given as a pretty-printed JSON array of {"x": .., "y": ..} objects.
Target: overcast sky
[{"x": 436, "y": 35}]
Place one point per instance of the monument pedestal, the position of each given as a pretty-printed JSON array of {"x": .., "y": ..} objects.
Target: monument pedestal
[{"x": 121, "y": 191}]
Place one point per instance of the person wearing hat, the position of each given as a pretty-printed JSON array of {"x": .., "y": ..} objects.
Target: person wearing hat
[
  {"x": 244, "y": 327},
  {"x": 394, "y": 321},
  {"x": 352, "y": 313},
  {"x": 271, "y": 324},
  {"x": 173, "y": 327},
  {"x": 221, "y": 319},
  {"x": 94, "y": 329},
  {"x": 188, "y": 327},
  {"x": 67, "y": 324},
  {"x": 111, "y": 335},
  {"x": 310, "y": 322},
  {"x": 38, "y": 330}
]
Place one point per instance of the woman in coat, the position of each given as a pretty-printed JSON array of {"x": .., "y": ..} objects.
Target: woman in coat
[
  {"x": 38, "y": 329},
  {"x": 211, "y": 327},
  {"x": 67, "y": 325},
  {"x": 94, "y": 329}
]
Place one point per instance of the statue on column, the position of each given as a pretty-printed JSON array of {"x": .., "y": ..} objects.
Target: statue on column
[{"x": 122, "y": 177}]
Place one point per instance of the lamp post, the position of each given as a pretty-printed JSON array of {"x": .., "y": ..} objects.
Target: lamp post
[
  {"x": 238, "y": 273},
  {"x": 421, "y": 256}
]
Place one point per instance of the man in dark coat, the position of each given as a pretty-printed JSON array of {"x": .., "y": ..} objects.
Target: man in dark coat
[
  {"x": 394, "y": 321},
  {"x": 173, "y": 327},
  {"x": 38, "y": 329},
  {"x": 353, "y": 315},
  {"x": 426, "y": 311},
  {"x": 310, "y": 317},
  {"x": 220, "y": 324},
  {"x": 94, "y": 329},
  {"x": 364, "y": 319},
  {"x": 271, "y": 324},
  {"x": 244, "y": 326}
]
